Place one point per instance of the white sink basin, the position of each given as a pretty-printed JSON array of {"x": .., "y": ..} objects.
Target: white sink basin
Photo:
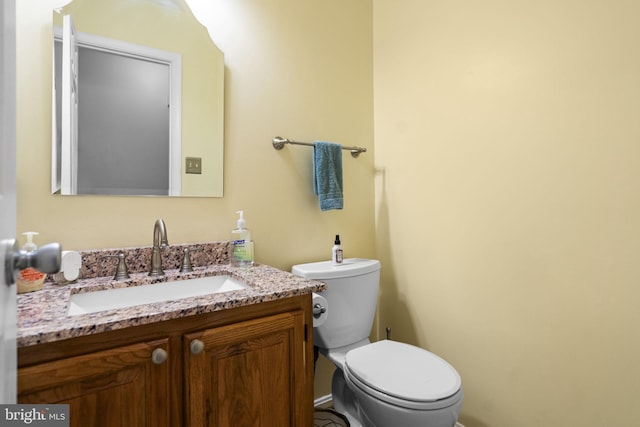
[{"x": 108, "y": 299}]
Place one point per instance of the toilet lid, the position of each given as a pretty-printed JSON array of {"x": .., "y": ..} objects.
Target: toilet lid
[{"x": 403, "y": 371}]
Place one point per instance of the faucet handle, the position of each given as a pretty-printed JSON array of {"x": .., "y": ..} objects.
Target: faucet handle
[
  {"x": 186, "y": 260},
  {"x": 121, "y": 271}
]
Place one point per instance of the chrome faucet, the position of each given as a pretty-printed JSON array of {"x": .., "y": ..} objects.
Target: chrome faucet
[{"x": 159, "y": 241}]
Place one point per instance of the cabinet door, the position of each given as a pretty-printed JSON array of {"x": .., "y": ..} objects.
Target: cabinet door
[
  {"x": 250, "y": 373},
  {"x": 126, "y": 386}
]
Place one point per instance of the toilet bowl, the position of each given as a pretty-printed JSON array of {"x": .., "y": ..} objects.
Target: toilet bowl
[
  {"x": 396, "y": 384},
  {"x": 385, "y": 383}
]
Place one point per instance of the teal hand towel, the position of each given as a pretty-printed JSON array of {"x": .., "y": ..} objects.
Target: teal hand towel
[{"x": 327, "y": 174}]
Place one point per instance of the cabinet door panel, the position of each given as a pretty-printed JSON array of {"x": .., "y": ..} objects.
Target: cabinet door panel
[
  {"x": 118, "y": 387},
  {"x": 249, "y": 374}
]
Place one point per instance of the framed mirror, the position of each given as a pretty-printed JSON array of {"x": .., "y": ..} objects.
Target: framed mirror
[{"x": 138, "y": 101}]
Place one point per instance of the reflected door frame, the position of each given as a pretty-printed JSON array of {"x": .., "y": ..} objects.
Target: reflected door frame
[{"x": 172, "y": 60}]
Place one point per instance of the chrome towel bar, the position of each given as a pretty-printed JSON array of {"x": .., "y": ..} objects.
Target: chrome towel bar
[{"x": 279, "y": 142}]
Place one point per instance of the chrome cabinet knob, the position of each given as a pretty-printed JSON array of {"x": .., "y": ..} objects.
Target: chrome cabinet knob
[
  {"x": 196, "y": 346},
  {"x": 159, "y": 356}
]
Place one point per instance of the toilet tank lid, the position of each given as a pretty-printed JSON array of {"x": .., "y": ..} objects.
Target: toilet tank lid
[
  {"x": 403, "y": 371},
  {"x": 327, "y": 270}
]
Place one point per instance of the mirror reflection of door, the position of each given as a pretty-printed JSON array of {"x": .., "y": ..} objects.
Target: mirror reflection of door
[
  {"x": 123, "y": 125},
  {"x": 124, "y": 122}
]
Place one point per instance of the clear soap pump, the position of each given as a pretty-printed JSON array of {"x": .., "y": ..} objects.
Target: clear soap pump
[
  {"x": 30, "y": 246},
  {"x": 242, "y": 243}
]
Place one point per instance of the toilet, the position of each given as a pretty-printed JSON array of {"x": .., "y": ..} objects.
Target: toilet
[{"x": 384, "y": 383}]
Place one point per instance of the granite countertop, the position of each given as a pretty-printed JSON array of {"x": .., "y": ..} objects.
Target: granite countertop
[{"x": 43, "y": 318}]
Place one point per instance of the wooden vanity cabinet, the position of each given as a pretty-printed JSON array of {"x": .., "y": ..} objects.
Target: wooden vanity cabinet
[
  {"x": 247, "y": 374},
  {"x": 246, "y": 366},
  {"x": 122, "y": 386}
]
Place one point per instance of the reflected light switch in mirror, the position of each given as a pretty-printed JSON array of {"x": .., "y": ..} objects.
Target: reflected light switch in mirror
[{"x": 194, "y": 165}]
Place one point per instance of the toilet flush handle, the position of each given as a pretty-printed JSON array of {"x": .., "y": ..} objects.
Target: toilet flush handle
[{"x": 318, "y": 310}]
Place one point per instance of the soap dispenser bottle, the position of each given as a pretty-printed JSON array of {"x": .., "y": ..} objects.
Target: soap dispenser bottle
[
  {"x": 30, "y": 246},
  {"x": 336, "y": 252},
  {"x": 242, "y": 243}
]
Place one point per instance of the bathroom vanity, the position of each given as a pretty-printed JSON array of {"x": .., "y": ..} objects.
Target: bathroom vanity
[{"x": 241, "y": 357}]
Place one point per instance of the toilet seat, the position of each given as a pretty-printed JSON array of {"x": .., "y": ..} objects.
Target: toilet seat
[{"x": 402, "y": 374}]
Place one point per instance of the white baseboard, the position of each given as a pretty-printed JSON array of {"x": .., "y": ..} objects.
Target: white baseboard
[{"x": 322, "y": 400}]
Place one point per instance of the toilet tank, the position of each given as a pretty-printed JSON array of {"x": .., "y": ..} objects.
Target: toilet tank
[{"x": 352, "y": 296}]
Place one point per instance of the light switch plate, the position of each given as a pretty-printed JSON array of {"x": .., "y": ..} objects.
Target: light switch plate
[{"x": 194, "y": 165}]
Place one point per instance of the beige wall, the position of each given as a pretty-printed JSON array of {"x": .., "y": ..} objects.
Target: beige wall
[
  {"x": 508, "y": 201},
  {"x": 301, "y": 70}
]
